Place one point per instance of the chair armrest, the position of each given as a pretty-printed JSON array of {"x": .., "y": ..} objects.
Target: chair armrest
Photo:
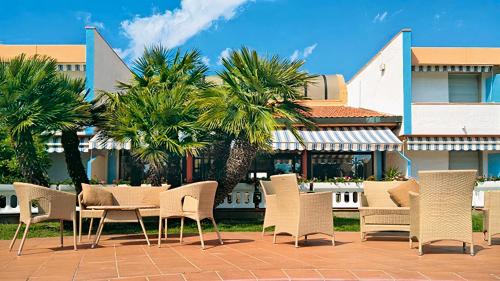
[
  {"x": 414, "y": 214},
  {"x": 171, "y": 201},
  {"x": 316, "y": 199},
  {"x": 62, "y": 205}
]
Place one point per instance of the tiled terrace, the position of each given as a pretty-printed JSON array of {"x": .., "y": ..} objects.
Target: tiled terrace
[{"x": 246, "y": 256}]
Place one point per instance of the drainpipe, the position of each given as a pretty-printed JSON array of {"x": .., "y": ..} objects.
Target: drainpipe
[{"x": 408, "y": 164}]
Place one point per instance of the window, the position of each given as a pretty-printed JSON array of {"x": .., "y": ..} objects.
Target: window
[
  {"x": 60, "y": 67},
  {"x": 202, "y": 165},
  {"x": 68, "y": 67},
  {"x": 77, "y": 67},
  {"x": 464, "y": 87},
  {"x": 84, "y": 67},
  {"x": 464, "y": 160},
  {"x": 330, "y": 165}
]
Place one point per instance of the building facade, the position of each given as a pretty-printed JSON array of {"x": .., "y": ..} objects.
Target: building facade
[
  {"x": 97, "y": 63},
  {"x": 449, "y": 99}
]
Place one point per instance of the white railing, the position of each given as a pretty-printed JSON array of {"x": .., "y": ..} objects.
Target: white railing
[{"x": 345, "y": 196}]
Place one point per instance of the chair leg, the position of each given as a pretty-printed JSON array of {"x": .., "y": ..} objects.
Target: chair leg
[
  {"x": 80, "y": 225},
  {"x": 484, "y": 235},
  {"x": 182, "y": 229},
  {"x": 472, "y": 249},
  {"x": 263, "y": 231},
  {"x": 61, "y": 227},
  {"x": 217, "y": 230},
  {"x": 166, "y": 228},
  {"x": 74, "y": 232},
  {"x": 411, "y": 243},
  {"x": 296, "y": 241},
  {"x": 333, "y": 239},
  {"x": 160, "y": 222},
  {"x": 89, "y": 236},
  {"x": 420, "y": 250},
  {"x": 201, "y": 234},
  {"x": 15, "y": 236},
  {"x": 489, "y": 239},
  {"x": 274, "y": 237},
  {"x": 24, "y": 238}
]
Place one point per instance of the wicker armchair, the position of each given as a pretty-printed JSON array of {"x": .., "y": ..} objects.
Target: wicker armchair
[
  {"x": 271, "y": 215},
  {"x": 491, "y": 212},
  {"x": 194, "y": 201},
  {"x": 301, "y": 214},
  {"x": 442, "y": 210},
  {"x": 52, "y": 205},
  {"x": 378, "y": 212}
]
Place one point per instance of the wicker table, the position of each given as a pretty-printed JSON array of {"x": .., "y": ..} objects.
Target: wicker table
[{"x": 109, "y": 209}]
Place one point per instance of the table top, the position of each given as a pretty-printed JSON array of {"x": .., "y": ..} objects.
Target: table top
[{"x": 122, "y": 207}]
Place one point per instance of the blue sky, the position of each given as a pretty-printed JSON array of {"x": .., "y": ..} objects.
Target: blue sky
[{"x": 332, "y": 36}]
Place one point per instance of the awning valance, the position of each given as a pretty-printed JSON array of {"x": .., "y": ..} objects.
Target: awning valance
[
  {"x": 339, "y": 139},
  {"x": 453, "y": 143},
  {"x": 451, "y": 68},
  {"x": 54, "y": 144},
  {"x": 98, "y": 142}
]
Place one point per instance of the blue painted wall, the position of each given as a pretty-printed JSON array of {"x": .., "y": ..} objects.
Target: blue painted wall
[
  {"x": 111, "y": 165},
  {"x": 89, "y": 68},
  {"x": 492, "y": 89},
  {"x": 89, "y": 167},
  {"x": 494, "y": 164},
  {"x": 407, "y": 82}
]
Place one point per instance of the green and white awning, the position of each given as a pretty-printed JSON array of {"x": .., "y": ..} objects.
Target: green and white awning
[
  {"x": 338, "y": 139},
  {"x": 456, "y": 143}
]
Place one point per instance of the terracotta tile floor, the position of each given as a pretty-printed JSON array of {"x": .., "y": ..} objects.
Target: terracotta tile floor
[{"x": 247, "y": 256}]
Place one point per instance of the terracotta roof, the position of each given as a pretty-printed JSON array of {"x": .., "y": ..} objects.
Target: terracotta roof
[{"x": 332, "y": 109}]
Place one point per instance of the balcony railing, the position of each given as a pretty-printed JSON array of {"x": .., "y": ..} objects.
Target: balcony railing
[{"x": 345, "y": 196}]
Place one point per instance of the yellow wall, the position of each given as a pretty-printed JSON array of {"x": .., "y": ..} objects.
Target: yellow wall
[
  {"x": 62, "y": 53},
  {"x": 455, "y": 56}
]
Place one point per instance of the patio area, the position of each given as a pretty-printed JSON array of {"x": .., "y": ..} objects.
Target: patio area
[{"x": 248, "y": 256}]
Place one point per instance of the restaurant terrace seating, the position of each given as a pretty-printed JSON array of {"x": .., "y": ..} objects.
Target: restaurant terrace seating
[
  {"x": 491, "y": 212},
  {"x": 51, "y": 204},
  {"x": 194, "y": 201},
  {"x": 96, "y": 195},
  {"x": 301, "y": 214},
  {"x": 442, "y": 210}
]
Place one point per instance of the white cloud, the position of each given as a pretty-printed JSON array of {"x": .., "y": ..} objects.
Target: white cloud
[
  {"x": 87, "y": 19},
  {"x": 205, "y": 60},
  {"x": 223, "y": 55},
  {"x": 297, "y": 54},
  {"x": 174, "y": 27},
  {"x": 380, "y": 17}
]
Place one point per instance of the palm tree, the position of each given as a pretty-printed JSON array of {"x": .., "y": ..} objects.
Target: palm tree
[
  {"x": 75, "y": 88},
  {"x": 33, "y": 102},
  {"x": 156, "y": 112},
  {"x": 258, "y": 95}
]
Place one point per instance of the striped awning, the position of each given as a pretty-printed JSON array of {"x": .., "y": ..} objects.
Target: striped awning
[
  {"x": 453, "y": 143},
  {"x": 339, "y": 139},
  {"x": 98, "y": 142},
  {"x": 54, "y": 144},
  {"x": 451, "y": 68}
]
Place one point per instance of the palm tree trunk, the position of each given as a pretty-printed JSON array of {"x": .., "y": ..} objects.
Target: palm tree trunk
[
  {"x": 220, "y": 149},
  {"x": 155, "y": 175},
  {"x": 174, "y": 168},
  {"x": 237, "y": 166},
  {"x": 29, "y": 164},
  {"x": 76, "y": 170}
]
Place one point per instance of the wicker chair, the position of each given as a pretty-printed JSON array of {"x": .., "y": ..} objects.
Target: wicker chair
[
  {"x": 491, "y": 212},
  {"x": 301, "y": 214},
  {"x": 52, "y": 205},
  {"x": 378, "y": 212},
  {"x": 442, "y": 210},
  {"x": 194, "y": 201},
  {"x": 271, "y": 214},
  {"x": 122, "y": 195}
]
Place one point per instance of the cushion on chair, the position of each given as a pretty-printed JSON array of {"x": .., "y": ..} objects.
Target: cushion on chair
[
  {"x": 400, "y": 193},
  {"x": 96, "y": 196},
  {"x": 377, "y": 195},
  {"x": 190, "y": 204}
]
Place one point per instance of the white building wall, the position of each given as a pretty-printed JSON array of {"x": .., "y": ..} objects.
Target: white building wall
[
  {"x": 58, "y": 170},
  {"x": 108, "y": 66},
  {"x": 427, "y": 160},
  {"x": 429, "y": 87},
  {"x": 379, "y": 90},
  {"x": 456, "y": 119}
]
